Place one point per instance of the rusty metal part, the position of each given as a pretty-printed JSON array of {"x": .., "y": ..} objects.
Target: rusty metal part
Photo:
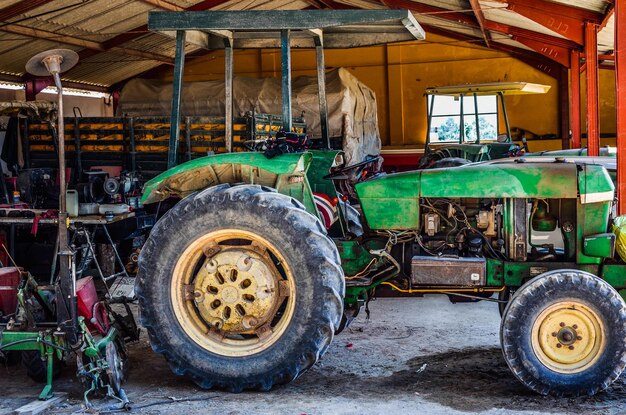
[
  {"x": 568, "y": 337},
  {"x": 233, "y": 292}
]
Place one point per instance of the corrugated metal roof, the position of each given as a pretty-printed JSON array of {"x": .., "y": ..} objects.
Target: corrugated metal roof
[{"x": 95, "y": 27}]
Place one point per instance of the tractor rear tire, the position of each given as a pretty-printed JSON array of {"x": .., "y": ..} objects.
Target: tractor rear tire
[
  {"x": 564, "y": 334},
  {"x": 197, "y": 304}
]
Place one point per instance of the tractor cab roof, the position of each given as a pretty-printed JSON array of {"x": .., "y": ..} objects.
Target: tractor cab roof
[{"x": 492, "y": 88}]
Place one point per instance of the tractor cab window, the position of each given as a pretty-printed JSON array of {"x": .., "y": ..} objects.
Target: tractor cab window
[{"x": 469, "y": 118}]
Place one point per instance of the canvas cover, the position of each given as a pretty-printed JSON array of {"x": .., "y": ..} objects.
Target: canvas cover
[{"x": 352, "y": 112}]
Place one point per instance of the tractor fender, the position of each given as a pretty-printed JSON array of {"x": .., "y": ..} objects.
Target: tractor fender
[{"x": 282, "y": 171}]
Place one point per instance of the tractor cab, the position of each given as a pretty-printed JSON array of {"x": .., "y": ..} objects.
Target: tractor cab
[{"x": 470, "y": 122}]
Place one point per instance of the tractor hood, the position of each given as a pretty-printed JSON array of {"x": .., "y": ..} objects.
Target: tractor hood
[{"x": 392, "y": 201}]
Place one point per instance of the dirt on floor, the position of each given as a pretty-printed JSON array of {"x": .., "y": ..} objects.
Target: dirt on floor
[{"x": 413, "y": 356}]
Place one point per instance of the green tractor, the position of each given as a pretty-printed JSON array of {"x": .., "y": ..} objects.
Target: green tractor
[{"x": 242, "y": 285}]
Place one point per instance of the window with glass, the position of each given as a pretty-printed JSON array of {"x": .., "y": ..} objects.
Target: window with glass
[{"x": 468, "y": 118}]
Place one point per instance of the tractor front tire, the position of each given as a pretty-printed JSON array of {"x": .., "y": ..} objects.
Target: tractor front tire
[
  {"x": 240, "y": 288},
  {"x": 564, "y": 334}
]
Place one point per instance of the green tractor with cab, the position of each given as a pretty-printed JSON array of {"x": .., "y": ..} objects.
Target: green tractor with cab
[{"x": 243, "y": 283}]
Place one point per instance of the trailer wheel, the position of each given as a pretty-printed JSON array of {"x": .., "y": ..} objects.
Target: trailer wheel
[
  {"x": 240, "y": 288},
  {"x": 37, "y": 367},
  {"x": 564, "y": 333}
]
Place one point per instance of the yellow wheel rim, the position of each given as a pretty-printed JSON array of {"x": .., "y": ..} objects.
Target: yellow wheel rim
[
  {"x": 568, "y": 337},
  {"x": 233, "y": 292}
]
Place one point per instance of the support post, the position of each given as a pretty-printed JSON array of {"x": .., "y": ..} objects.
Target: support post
[
  {"x": 177, "y": 89},
  {"x": 285, "y": 64},
  {"x": 620, "y": 95},
  {"x": 228, "y": 99},
  {"x": 321, "y": 88},
  {"x": 591, "y": 61},
  {"x": 575, "y": 89},
  {"x": 564, "y": 108}
]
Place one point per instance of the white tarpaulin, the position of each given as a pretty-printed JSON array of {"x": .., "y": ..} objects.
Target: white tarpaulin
[{"x": 352, "y": 112}]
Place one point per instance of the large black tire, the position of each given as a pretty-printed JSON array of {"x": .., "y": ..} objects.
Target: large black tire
[
  {"x": 558, "y": 313},
  {"x": 37, "y": 367},
  {"x": 301, "y": 240}
]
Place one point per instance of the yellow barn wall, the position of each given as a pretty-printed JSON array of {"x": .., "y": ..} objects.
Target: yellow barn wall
[{"x": 400, "y": 73}]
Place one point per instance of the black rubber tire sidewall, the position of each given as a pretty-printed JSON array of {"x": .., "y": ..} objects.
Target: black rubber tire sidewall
[
  {"x": 299, "y": 237},
  {"x": 534, "y": 297}
]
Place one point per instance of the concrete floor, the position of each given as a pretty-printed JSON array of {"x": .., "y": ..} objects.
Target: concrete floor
[{"x": 414, "y": 356}]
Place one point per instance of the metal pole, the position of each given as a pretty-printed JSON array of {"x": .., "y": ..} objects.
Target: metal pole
[
  {"x": 461, "y": 123},
  {"x": 321, "y": 88},
  {"x": 66, "y": 281},
  {"x": 591, "y": 63},
  {"x": 285, "y": 64},
  {"x": 575, "y": 88},
  {"x": 228, "y": 79},
  {"x": 476, "y": 118},
  {"x": 177, "y": 89},
  {"x": 620, "y": 95},
  {"x": 506, "y": 117},
  {"x": 429, "y": 116}
]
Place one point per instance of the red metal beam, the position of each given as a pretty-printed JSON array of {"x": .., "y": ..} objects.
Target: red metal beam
[
  {"x": 620, "y": 95},
  {"x": 529, "y": 34},
  {"x": 556, "y": 53},
  {"x": 21, "y": 7},
  {"x": 564, "y": 107},
  {"x": 565, "y": 20},
  {"x": 591, "y": 62},
  {"x": 553, "y": 47},
  {"x": 35, "y": 86},
  {"x": 533, "y": 59},
  {"x": 575, "y": 91}
]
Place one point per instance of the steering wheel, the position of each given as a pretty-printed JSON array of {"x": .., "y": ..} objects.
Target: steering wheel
[{"x": 342, "y": 172}]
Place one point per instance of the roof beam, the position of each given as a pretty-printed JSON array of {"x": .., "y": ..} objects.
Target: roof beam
[
  {"x": 164, "y": 5},
  {"x": 529, "y": 34},
  {"x": 468, "y": 20},
  {"x": 434, "y": 11},
  {"x": 480, "y": 18},
  {"x": 20, "y": 7},
  {"x": 565, "y": 20},
  {"x": 533, "y": 59},
  {"x": 87, "y": 44}
]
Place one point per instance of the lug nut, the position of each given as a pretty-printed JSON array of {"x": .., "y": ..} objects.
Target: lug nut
[
  {"x": 575, "y": 326},
  {"x": 562, "y": 324},
  {"x": 554, "y": 334},
  {"x": 571, "y": 347},
  {"x": 559, "y": 345},
  {"x": 579, "y": 337}
]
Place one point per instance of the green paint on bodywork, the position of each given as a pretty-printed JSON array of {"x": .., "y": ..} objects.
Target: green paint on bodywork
[
  {"x": 391, "y": 202},
  {"x": 614, "y": 274},
  {"x": 502, "y": 180},
  {"x": 319, "y": 167},
  {"x": 595, "y": 184},
  {"x": 517, "y": 273},
  {"x": 201, "y": 172},
  {"x": 592, "y": 218},
  {"x": 355, "y": 256}
]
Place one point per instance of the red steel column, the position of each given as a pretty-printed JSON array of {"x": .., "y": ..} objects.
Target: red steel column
[
  {"x": 620, "y": 95},
  {"x": 575, "y": 88},
  {"x": 564, "y": 107},
  {"x": 591, "y": 61}
]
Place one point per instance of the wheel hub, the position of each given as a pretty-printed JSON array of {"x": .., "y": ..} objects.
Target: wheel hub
[
  {"x": 568, "y": 337},
  {"x": 236, "y": 290}
]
